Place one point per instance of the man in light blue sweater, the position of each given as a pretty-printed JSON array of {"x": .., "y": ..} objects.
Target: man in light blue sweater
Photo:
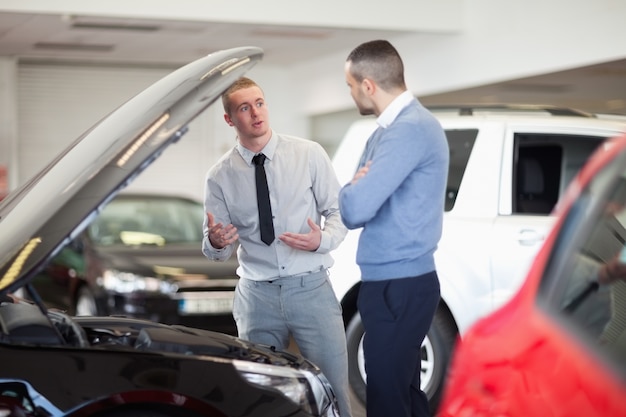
[{"x": 397, "y": 197}]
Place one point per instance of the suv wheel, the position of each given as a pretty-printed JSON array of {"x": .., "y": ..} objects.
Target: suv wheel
[{"x": 436, "y": 351}]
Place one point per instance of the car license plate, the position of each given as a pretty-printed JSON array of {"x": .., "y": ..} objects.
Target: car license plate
[{"x": 217, "y": 302}]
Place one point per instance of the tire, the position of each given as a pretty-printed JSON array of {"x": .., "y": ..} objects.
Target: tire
[
  {"x": 85, "y": 303},
  {"x": 436, "y": 353}
]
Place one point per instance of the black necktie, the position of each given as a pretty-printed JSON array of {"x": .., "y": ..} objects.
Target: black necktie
[{"x": 263, "y": 200}]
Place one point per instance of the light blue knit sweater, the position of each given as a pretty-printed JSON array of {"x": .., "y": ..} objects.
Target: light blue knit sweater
[{"x": 400, "y": 202}]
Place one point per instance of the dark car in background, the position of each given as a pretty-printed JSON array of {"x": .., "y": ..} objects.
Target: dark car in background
[
  {"x": 141, "y": 257},
  {"x": 54, "y": 364}
]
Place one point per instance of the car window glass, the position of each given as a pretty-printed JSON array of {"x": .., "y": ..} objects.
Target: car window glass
[
  {"x": 149, "y": 221},
  {"x": 593, "y": 305},
  {"x": 544, "y": 165},
  {"x": 461, "y": 143}
]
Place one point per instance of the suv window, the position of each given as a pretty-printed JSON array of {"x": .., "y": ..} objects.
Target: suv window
[
  {"x": 545, "y": 164},
  {"x": 461, "y": 143}
]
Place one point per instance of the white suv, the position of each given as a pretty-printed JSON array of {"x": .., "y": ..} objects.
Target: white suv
[{"x": 508, "y": 167}]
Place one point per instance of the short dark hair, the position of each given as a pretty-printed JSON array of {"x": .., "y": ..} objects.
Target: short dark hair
[
  {"x": 240, "y": 84},
  {"x": 379, "y": 61}
]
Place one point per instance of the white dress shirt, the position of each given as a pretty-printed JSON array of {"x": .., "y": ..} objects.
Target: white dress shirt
[{"x": 302, "y": 184}]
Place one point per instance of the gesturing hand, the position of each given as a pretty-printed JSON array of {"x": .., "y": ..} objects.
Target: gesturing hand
[
  {"x": 221, "y": 236},
  {"x": 304, "y": 241}
]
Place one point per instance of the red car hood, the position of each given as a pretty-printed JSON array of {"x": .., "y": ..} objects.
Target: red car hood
[{"x": 496, "y": 366}]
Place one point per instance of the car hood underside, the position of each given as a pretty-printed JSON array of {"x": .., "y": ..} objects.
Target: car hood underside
[{"x": 45, "y": 214}]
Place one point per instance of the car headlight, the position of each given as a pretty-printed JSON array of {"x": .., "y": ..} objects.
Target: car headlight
[
  {"x": 311, "y": 391},
  {"x": 127, "y": 282}
]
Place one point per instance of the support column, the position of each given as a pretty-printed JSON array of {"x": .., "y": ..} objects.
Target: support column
[{"x": 8, "y": 124}]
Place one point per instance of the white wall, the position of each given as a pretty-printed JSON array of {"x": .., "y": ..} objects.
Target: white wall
[
  {"x": 484, "y": 41},
  {"x": 8, "y": 121},
  {"x": 500, "y": 40},
  {"x": 455, "y": 44},
  {"x": 55, "y": 103}
]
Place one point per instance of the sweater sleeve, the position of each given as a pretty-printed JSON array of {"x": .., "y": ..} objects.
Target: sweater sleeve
[{"x": 396, "y": 155}]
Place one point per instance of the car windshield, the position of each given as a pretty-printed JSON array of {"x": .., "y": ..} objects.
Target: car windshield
[
  {"x": 587, "y": 271},
  {"x": 148, "y": 221}
]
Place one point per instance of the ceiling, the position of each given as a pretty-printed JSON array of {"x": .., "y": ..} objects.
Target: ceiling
[
  {"x": 164, "y": 42},
  {"x": 49, "y": 37},
  {"x": 599, "y": 88}
]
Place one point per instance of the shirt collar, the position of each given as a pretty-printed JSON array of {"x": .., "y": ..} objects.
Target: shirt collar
[
  {"x": 394, "y": 108},
  {"x": 268, "y": 150}
]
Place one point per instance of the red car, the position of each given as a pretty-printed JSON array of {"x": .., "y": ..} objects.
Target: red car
[{"x": 558, "y": 348}]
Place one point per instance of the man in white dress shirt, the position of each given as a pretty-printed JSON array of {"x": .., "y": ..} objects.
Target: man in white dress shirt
[{"x": 283, "y": 289}]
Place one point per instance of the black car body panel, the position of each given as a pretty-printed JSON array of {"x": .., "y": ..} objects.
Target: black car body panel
[
  {"x": 57, "y": 365},
  {"x": 131, "y": 361}
]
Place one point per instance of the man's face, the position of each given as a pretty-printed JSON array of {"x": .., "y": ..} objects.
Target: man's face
[
  {"x": 361, "y": 99},
  {"x": 248, "y": 113}
]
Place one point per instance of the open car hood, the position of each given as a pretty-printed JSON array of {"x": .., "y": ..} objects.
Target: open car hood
[{"x": 38, "y": 219}]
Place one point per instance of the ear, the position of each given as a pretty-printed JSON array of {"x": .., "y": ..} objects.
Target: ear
[
  {"x": 368, "y": 86},
  {"x": 228, "y": 120}
]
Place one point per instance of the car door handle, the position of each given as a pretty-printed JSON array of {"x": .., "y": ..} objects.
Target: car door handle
[{"x": 530, "y": 237}]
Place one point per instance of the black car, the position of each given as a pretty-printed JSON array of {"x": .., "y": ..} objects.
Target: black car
[
  {"x": 54, "y": 364},
  {"x": 141, "y": 258}
]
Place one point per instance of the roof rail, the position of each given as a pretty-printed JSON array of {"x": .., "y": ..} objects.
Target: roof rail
[{"x": 469, "y": 109}]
